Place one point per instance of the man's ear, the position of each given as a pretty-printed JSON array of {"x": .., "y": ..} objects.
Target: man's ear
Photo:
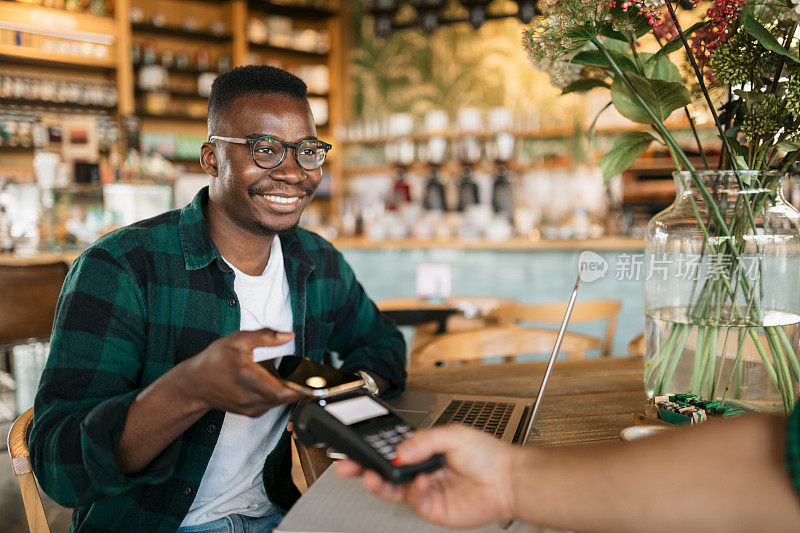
[{"x": 208, "y": 159}]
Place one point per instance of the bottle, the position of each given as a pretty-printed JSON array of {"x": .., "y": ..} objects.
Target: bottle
[
  {"x": 502, "y": 200},
  {"x": 401, "y": 193},
  {"x": 467, "y": 189},
  {"x": 149, "y": 53},
  {"x": 434, "y": 199},
  {"x": 6, "y": 242}
]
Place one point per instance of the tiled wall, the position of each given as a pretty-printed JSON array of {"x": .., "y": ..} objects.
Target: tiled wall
[{"x": 527, "y": 276}]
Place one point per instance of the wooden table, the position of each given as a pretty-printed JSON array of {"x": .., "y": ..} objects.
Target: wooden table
[{"x": 586, "y": 400}]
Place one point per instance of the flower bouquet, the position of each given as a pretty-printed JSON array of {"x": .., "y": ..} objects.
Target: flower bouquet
[{"x": 730, "y": 327}]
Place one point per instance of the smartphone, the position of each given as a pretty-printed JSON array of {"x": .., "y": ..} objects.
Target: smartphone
[
  {"x": 365, "y": 429},
  {"x": 313, "y": 379}
]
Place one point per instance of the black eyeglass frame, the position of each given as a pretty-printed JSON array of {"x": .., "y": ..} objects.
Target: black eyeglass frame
[{"x": 252, "y": 141}]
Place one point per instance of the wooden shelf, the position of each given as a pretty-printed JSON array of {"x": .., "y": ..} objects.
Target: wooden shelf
[
  {"x": 258, "y": 47},
  {"x": 543, "y": 133},
  {"x": 171, "y": 31},
  {"x": 170, "y": 116},
  {"x": 63, "y": 23},
  {"x": 288, "y": 10},
  {"x": 180, "y": 94},
  {"x": 667, "y": 164},
  {"x": 175, "y": 70},
  {"x": 456, "y": 166},
  {"x": 44, "y": 58},
  {"x": 195, "y": 159},
  {"x": 117, "y": 31},
  {"x": 8, "y": 148},
  {"x": 72, "y": 105},
  {"x": 672, "y": 126}
]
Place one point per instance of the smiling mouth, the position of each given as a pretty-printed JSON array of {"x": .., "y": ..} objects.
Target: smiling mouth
[{"x": 282, "y": 204}]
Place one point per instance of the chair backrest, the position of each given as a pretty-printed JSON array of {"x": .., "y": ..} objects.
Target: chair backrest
[
  {"x": 481, "y": 306},
  {"x": 21, "y": 466},
  {"x": 500, "y": 341},
  {"x": 553, "y": 313},
  {"x": 404, "y": 304},
  {"x": 29, "y": 293},
  {"x": 636, "y": 346}
]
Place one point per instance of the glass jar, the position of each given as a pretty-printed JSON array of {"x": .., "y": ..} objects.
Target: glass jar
[{"x": 722, "y": 308}]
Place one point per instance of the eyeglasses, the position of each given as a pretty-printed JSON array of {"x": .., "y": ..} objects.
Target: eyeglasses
[{"x": 269, "y": 152}]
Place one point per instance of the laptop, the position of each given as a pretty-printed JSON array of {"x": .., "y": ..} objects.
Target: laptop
[
  {"x": 508, "y": 419},
  {"x": 502, "y": 417}
]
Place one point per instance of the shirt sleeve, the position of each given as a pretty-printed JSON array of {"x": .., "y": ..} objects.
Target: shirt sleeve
[
  {"x": 89, "y": 381},
  {"x": 363, "y": 337},
  {"x": 793, "y": 447}
]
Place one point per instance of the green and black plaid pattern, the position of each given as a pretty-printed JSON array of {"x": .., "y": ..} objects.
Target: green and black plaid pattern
[{"x": 136, "y": 303}]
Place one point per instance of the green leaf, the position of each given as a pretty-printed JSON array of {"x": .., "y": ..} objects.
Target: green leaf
[
  {"x": 584, "y": 85},
  {"x": 741, "y": 162},
  {"x": 789, "y": 146},
  {"x": 595, "y": 58},
  {"x": 662, "y": 97},
  {"x": 662, "y": 69},
  {"x": 579, "y": 37},
  {"x": 621, "y": 47},
  {"x": 626, "y": 150},
  {"x": 763, "y": 35},
  {"x": 590, "y": 131}
]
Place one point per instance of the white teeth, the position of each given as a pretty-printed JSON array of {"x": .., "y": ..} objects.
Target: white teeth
[{"x": 280, "y": 199}]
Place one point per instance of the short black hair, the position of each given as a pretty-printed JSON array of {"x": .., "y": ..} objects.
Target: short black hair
[{"x": 250, "y": 80}]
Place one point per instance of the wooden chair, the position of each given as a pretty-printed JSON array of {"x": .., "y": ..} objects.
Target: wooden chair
[
  {"x": 308, "y": 464},
  {"x": 499, "y": 341},
  {"x": 636, "y": 346},
  {"x": 553, "y": 313},
  {"x": 425, "y": 332},
  {"x": 21, "y": 466},
  {"x": 29, "y": 295}
]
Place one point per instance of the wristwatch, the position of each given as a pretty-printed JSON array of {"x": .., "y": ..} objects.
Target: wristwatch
[{"x": 369, "y": 383}]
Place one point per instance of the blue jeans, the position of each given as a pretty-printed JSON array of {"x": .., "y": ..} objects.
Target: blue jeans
[{"x": 236, "y": 523}]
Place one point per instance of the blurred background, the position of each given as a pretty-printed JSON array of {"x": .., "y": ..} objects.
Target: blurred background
[{"x": 460, "y": 178}]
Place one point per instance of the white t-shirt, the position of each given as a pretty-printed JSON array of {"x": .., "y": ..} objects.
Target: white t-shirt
[{"x": 232, "y": 482}]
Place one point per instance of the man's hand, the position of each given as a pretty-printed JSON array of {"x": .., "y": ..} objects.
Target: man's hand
[
  {"x": 473, "y": 488},
  {"x": 224, "y": 376}
]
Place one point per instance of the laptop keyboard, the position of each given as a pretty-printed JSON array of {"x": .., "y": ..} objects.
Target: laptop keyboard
[{"x": 489, "y": 417}]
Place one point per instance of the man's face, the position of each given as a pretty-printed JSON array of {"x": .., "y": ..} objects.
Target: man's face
[{"x": 263, "y": 201}]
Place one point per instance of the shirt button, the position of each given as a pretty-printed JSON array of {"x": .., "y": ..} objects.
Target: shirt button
[
  {"x": 212, "y": 428},
  {"x": 188, "y": 491},
  {"x": 232, "y": 302}
]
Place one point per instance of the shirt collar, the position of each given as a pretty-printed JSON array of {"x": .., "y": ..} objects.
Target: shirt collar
[{"x": 199, "y": 249}]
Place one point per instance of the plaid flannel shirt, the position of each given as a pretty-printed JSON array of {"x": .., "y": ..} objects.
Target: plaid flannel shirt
[{"x": 137, "y": 302}]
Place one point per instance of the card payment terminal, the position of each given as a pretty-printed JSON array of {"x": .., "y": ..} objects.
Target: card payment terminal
[{"x": 363, "y": 427}]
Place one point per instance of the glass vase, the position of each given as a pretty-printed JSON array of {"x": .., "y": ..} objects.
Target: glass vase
[{"x": 722, "y": 308}]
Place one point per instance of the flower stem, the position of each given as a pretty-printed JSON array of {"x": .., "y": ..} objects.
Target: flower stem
[{"x": 701, "y": 81}]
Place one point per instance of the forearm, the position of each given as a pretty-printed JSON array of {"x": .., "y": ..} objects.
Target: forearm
[
  {"x": 158, "y": 415},
  {"x": 717, "y": 477}
]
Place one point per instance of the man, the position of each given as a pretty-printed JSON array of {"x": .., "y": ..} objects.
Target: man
[
  {"x": 151, "y": 413},
  {"x": 728, "y": 476}
]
